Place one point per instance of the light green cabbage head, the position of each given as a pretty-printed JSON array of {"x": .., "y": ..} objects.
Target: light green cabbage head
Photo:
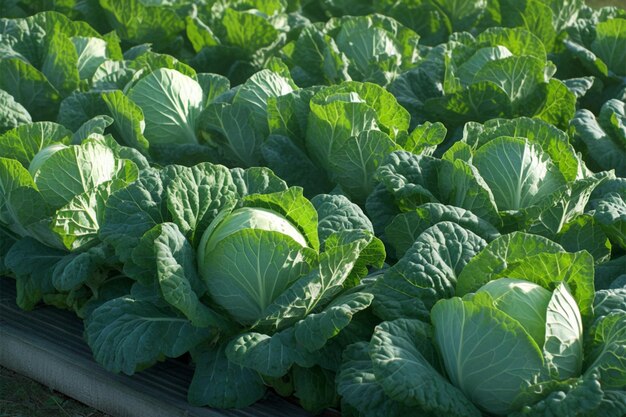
[
  {"x": 248, "y": 257},
  {"x": 507, "y": 336}
]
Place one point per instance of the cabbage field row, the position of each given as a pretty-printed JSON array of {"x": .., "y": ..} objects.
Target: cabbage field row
[{"x": 391, "y": 208}]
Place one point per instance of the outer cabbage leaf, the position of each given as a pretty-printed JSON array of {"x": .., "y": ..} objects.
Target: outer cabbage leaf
[
  {"x": 407, "y": 227},
  {"x": 358, "y": 386},
  {"x": 427, "y": 272},
  {"x": 13, "y": 114},
  {"x": 606, "y": 354},
  {"x": 406, "y": 366},
  {"x": 337, "y": 213},
  {"x": 128, "y": 334},
  {"x": 171, "y": 103},
  {"x": 219, "y": 383},
  {"x": 195, "y": 196}
]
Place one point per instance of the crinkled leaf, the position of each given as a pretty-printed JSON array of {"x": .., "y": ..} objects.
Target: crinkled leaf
[
  {"x": 427, "y": 272},
  {"x": 219, "y": 383},
  {"x": 407, "y": 227},
  {"x": 405, "y": 364},
  {"x": 607, "y": 352},
  {"x": 128, "y": 334}
]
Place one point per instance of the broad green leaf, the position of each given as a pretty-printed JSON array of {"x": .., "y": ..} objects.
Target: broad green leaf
[
  {"x": 480, "y": 101},
  {"x": 372, "y": 256},
  {"x": 468, "y": 69},
  {"x": 78, "y": 222},
  {"x": 95, "y": 125},
  {"x": 358, "y": 386},
  {"x": 12, "y": 176},
  {"x": 313, "y": 331},
  {"x": 534, "y": 16},
  {"x": 256, "y": 92},
  {"x": 128, "y": 334},
  {"x": 91, "y": 53},
  {"x": 405, "y": 364},
  {"x": 497, "y": 256},
  {"x": 32, "y": 263},
  {"x": 13, "y": 114},
  {"x": 563, "y": 347},
  {"x": 32, "y": 215},
  {"x": 315, "y": 388},
  {"x": 238, "y": 141},
  {"x": 132, "y": 211},
  {"x": 582, "y": 397},
  {"x": 376, "y": 46},
  {"x": 176, "y": 274},
  {"x": 219, "y": 383},
  {"x": 569, "y": 201},
  {"x": 424, "y": 138},
  {"x": 213, "y": 85},
  {"x": 60, "y": 64},
  {"x": 199, "y": 34},
  {"x": 77, "y": 169},
  {"x": 460, "y": 184},
  {"x": 411, "y": 179},
  {"x": 248, "y": 31},
  {"x": 609, "y": 300},
  {"x": 337, "y": 213},
  {"x": 610, "y": 40},
  {"x": 603, "y": 147},
  {"x": 320, "y": 284},
  {"x": 610, "y": 212},
  {"x": 406, "y": 228},
  {"x": 30, "y": 88},
  {"x": 391, "y": 117},
  {"x": 584, "y": 233},
  {"x": 425, "y": 18},
  {"x": 139, "y": 23},
  {"x": 291, "y": 163},
  {"x": 519, "y": 41},
  {"x": 196, "y": 195},
  {"x": 294, "y": 207},
  {"x": 83, "y": 268},
  {"x": 256, "y": 180},
  {"x": 129, "y": 120},
  {"x": 288, "y": 114},
  {"x": 171, "y": 103},
  {"x": 268, "y": 355},
  {"x": 516, "y": 76},
  {"x": 427, "y": 272},
  {"x": 552, "y": 102},
  {"x": 317, "y": 59},
  {"x": 607, "y": 351}
]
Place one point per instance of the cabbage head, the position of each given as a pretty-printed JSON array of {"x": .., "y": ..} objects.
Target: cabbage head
[
  {"x": 509, "y": 335},
  {"x": 248, "y": 257}
]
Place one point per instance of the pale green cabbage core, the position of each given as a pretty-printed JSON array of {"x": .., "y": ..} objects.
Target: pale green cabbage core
[
  {"x": 248, "y": 258},
  {"x": 253, "y": 218},
  {"x": 523, "y": 301}
]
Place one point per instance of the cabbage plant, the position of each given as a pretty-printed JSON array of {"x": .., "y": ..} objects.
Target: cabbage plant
[
  {"x": 245, "y": 273},
  {"x": 63, "y": 178},
  {"x": 510, "y": 327},
  {"x": 531, "y": 334},
  {"x": 519, "y": 174}
]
